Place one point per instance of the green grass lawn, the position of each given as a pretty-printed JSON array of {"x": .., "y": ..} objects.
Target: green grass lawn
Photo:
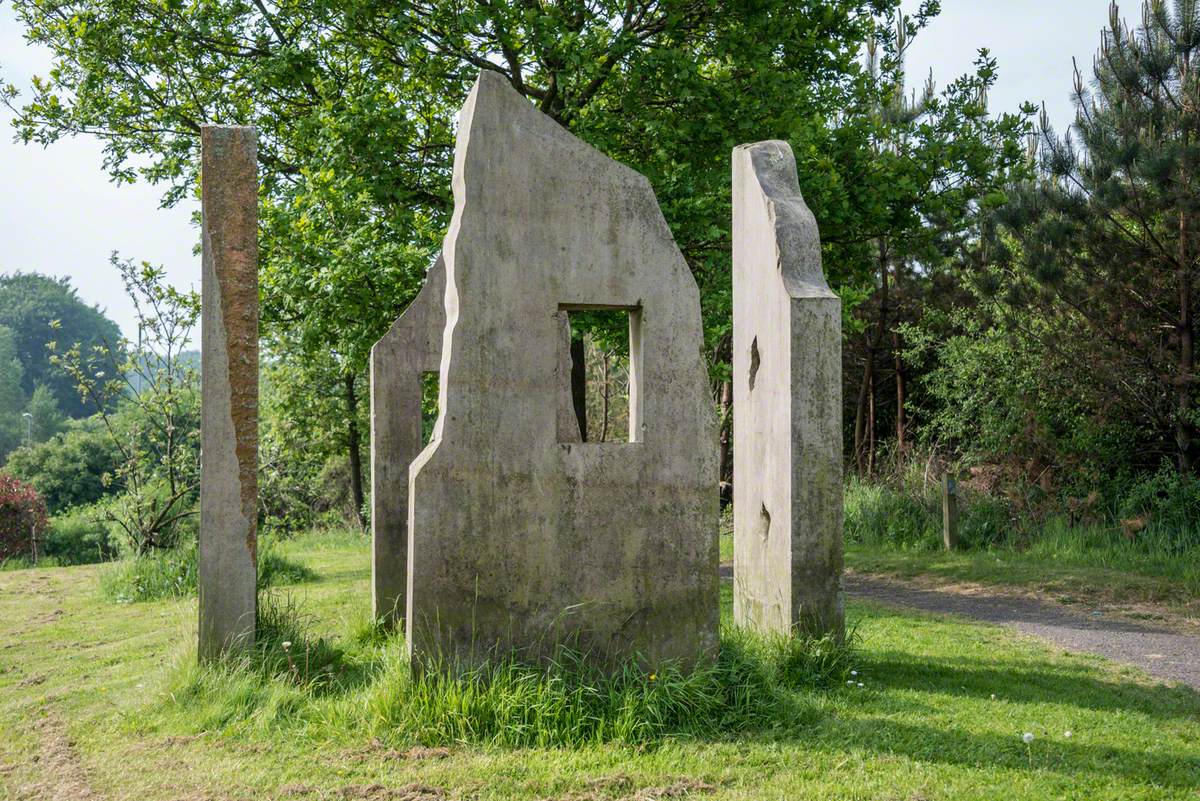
[{"x": 86, "y": 702}]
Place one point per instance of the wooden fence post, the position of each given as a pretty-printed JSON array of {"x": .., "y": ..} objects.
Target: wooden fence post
[{"x": 949, "y": 513}]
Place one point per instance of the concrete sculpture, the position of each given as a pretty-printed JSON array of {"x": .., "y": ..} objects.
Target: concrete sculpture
[
  {"x": 229, "y": 388},
  {"x": 787, "y": 405},
  {"x": 521, "y": 537},
  {"x": 411, "y": 348}
]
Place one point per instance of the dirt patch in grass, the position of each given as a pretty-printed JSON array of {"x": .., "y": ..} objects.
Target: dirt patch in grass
[
  {"x": 621, "y": 788},
  {"x": 379, "y": 752},
  {"x": 62, "y": 776},
  {"x": 378, "y": 792}
]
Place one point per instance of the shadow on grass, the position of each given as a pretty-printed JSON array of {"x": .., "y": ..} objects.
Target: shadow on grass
[
  {"x": 1037, "y": 683},
  {"x": 947, "y": 746}
]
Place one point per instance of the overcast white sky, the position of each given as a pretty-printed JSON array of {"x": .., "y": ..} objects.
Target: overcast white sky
[{"x": 60, "y": 215}]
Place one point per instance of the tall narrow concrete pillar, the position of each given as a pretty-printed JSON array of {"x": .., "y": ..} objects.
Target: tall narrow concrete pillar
[
  {"x": 399, "y": 360},
  {"x": 229, "y": 388},
  {"x": 787, "y": 405}
]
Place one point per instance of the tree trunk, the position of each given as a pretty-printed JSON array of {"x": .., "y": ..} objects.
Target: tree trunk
[
  {"x": 1187, "y": 355},
  {"x": 356, "y": 479},
  {"x": 579, "y": 385},
  {"x": 604, "y": 422},
  {"x": 901, "y": 418},
  {"x": 860, "y": 413},
  {"x": 871, "y": 429},
  {"x": 725, "y": 450},
  {"x": 725, "y": 456},
  {"x": 866, "y": 388}
]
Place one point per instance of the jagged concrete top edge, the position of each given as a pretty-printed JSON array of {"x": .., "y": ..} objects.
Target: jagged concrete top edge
[
  {"x": 796, "y": 230},
  {"x": 492, "y": 87},
  {"x": 434, "y": 284}
]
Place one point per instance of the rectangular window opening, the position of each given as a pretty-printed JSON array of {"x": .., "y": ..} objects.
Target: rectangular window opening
[
  {"x": 429, "y": 405},
  {"x": 601, "y": 374}
]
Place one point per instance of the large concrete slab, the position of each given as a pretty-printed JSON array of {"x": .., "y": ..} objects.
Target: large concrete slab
[
  {"x": 787, "y": 405},
  {"x": 412, "y": 347},
  {"x": 521, "y": 537},
  {"x": 229, "y": 388}
]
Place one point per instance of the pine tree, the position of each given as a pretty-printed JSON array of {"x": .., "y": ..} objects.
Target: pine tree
[{"x": 1107, "y": 238}]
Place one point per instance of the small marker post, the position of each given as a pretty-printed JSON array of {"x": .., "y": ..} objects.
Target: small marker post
[{"x": 949, "y": 513}]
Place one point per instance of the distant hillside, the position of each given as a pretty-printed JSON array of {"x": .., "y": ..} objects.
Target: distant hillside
[{"x": 39, "y": 309}]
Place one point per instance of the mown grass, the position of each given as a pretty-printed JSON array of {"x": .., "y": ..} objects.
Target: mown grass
[{"x": 940, "y": 714}]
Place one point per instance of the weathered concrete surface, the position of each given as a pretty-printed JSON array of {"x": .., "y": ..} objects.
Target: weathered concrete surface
[
  {"x": 229, "y": 388},
  {"x": 787, "y": 404},
  {"x": 411, "y": 347},
  {"x": 518, "y": 540}
]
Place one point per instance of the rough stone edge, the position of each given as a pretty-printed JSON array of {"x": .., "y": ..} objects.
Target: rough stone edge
[
  {"x": 795, "y": 226},
  {"x": 216, "y": 636},
  {"x": 430, "y": 296}
]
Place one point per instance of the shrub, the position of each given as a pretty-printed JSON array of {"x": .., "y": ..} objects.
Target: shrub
[
  {"x": 1162, "y": 510},
  {"x": 70, "y": 469},
  {"x": 80, "y": 536},
  {"x": 22, "y": 518}
]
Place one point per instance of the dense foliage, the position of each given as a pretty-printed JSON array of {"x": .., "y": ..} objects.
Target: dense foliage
[{"x": 74, "y": 468}]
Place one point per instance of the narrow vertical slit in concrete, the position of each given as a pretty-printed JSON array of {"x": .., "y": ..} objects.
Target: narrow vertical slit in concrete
[{"x": 754, "y": 362}]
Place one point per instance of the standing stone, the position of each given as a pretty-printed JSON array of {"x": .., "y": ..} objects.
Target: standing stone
[
  {"x": 787, "y": 405},
  {"x": 522, "y": 538},
  {"x": 412, "y": 347},
  {"x": 229, "y": 388}
]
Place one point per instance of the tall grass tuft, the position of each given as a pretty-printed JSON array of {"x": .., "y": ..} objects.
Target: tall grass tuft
[
  {"x": 570, "y": 702},
  {"x": 172, "y": 573},
  {"x": 366, "y": 686}
]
